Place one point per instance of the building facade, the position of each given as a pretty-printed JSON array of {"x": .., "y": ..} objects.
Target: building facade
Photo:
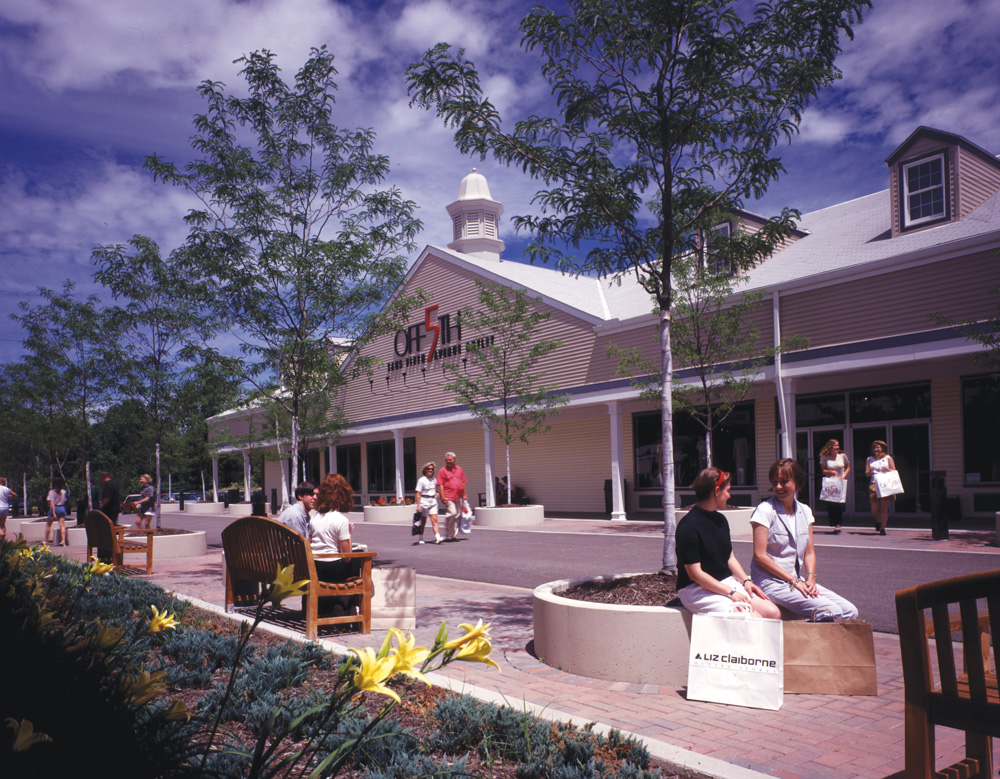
[{"x": 861, "y": 282}]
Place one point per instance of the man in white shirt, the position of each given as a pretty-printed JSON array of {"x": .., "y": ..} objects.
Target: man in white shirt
[{"x": 296, "y": 516}]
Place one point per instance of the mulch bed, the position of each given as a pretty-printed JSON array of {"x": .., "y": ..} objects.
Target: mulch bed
[{"x": 648, "y": 589}]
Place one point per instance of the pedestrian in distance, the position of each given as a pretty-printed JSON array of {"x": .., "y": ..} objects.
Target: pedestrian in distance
[
  {"x": 451, "y": 483},
  {"x": 833, "y": 463},
  {"x": 879, "y": 462},
  {"x": 57, "y": 512},
  {"x": 6, "y": 493},
  {"x": 111, "y": 498},
  {"x": 145, "y": 507},
  {"x": 426, "y": 500}
]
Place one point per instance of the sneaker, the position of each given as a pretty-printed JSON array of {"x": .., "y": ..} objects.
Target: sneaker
[
  {"x": 437, "y": 539},
  {"x": 420, "y": 541}
]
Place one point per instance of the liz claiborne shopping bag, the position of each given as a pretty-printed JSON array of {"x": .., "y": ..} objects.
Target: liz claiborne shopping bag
[
  {"x": 834, "y": 490},
  {"x": 736, "y": 659},
  {"x": 829, "y": 658},
  {"x": 887, "y": 484},
  {"x": 465, "y": 521}
]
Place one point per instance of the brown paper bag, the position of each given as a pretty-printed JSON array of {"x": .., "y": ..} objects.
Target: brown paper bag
[{"x": 832, "y": 658}]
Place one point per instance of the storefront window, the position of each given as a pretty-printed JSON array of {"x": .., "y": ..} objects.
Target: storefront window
[
  {"x": 981, "y": 429},
  {"x": 733, "y": 448},
  {"x": 382, "y": 466},
  {"x": 349, "y": 464},
  {"x": 887, "y": 403},
  {"x": 820, "y": 410}
]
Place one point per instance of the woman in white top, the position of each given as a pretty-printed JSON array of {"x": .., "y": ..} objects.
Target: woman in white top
[
  {"x": 330, "y": 533},
  {"x": 833, "y": 462},
  {"x": 426, "y": 501},
  {"x": 784, "y": 558},
  {"x": 6, "y": 493},
  {"x": 57, "y": 511},
  {"x": 879, "y": 462}
]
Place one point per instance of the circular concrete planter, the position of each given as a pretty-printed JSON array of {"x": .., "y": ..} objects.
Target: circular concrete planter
[
  {"x": 192, "y": 543},
  {"x": 389, "y": 513},
  {"x": 204, "y": 507},
  {"x": 509, "y": 516},
  {"x": 635, "y": 644}
]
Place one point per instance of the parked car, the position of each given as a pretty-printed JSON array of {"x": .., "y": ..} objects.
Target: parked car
[
  {"x": 192, "y": 497},
  {"x": 128, "y": 505},
  {"x": 169, "y": 497}
]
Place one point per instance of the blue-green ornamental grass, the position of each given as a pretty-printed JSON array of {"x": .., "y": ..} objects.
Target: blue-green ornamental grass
[{"x": 96, "y": 661}]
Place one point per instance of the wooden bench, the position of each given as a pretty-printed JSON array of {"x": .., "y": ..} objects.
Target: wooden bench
[
  {"x": 256, "y": 547},
  {"x": 965, "y": 701},
  {"x": 110, "y": 542}
]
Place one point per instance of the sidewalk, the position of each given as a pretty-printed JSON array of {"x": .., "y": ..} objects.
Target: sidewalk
[{"x": 811, "y": 737}]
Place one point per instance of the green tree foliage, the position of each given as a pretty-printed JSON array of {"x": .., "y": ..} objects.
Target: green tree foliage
[
  {"x": 66, "y": 379},
  {"x": 161, "y": 324},
  {"x": 670, "y": 112},
  {"x": 500, "y": 383},
  {"x": 298, "y": 239}
]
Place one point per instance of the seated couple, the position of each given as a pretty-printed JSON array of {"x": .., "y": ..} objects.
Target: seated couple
[{"x": 783, "y": 572}]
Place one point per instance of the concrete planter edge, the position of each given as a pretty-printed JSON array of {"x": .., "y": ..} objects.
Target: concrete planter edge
[
  {"x": 634, "y": 644},
  {"x": 509, "y": 516}
]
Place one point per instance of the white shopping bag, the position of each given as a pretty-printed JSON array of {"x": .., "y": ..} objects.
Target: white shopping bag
[
  {"x": 834, "y": 490},
  {"x": 887, "y": 484},
  {"x": 736, "y": 659},
  {"x": 465, "y": 521}
]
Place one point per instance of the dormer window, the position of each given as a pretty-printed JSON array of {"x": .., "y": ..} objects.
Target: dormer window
[{"x": 925, "y": 190}]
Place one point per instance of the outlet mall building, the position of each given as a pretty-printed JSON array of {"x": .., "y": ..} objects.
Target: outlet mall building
[{"x": 859, "y": 280}]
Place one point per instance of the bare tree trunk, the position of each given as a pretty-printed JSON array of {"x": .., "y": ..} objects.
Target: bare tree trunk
[
  {"x": 158, "y": 488},
  {"x": 667, "y": 439},
  {"x": 510, "y": 482},
  {"x": 90, "y": 497},
  {"x": 708, "y": 448}
]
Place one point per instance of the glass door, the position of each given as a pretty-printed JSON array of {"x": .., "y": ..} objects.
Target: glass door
[
  {"x": 861, "y": 447},
  {"x": 910, "y": 448}
]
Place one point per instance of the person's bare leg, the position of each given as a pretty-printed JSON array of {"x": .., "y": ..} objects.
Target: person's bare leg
[{"x": 62, "y": 532}]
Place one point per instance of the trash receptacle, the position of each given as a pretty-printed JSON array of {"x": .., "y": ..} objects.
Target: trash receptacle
[
  {"x": 180, "y": 501},
  {"x": 81, "y": 511},
  {"x": 939, "y": 506},
  {"x": 258, "y": 504},
  {"x": 274, "y": 500}
]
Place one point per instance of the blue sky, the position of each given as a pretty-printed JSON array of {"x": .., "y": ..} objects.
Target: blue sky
[{"x": 88, "y": 88}]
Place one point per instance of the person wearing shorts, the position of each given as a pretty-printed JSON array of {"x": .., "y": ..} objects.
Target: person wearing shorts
[
  {"x": 146, "y": 505},
  {"x": 426, "y": 501}
]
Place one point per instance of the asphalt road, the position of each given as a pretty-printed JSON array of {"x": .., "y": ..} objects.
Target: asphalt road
[{"x": 868, "y": 575}]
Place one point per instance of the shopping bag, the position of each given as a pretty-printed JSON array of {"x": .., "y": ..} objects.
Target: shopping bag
[
  {"x": 887, "y": 484},
  {"x": 418, "y": 524},
  {"x": 465, "y": 521},
  {"x": 834, "y": 490},
  {"x": 736, "y": 659},
  {"x": 829, "y": 658}
]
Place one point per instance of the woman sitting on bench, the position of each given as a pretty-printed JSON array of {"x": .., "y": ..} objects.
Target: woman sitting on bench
[{"x": 330, "y": 533}]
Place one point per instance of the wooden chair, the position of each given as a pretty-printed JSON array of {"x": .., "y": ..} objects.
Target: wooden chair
[
  {"x": 110, "y": 542},
  {"x": 966, "y": 701},
  {"x": 256, "y": 547}
]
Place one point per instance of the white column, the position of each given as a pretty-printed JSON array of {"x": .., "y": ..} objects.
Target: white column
[
  {"x": 397, "y": 437},
  {"x": 332, "y": 457},
  {"x": 786, "y": 394},
  {"x": 617, "y": 494},
  {"x": 491, "y": 497},
  {"x": 215, "y": 479},
  {"x": 246, "y": 476}
]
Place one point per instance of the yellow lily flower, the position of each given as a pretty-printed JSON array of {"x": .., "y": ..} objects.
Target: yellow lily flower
[
  {"x": 161, "y": 622},
  {"x": 104, "y": 638},
  {"x": 144, "y": 687},
  {"x": 283, "y": 586},
  {"x": 472, "y": 632},
  {"x": 26, "y": 736},
  {"x": 408, "y": 657},
  {"x": 373, "y": 673},
  {"x": 477, "y": 651},
  {"x": 178, "y": 711},
  {"x": 97, "y": 568}
]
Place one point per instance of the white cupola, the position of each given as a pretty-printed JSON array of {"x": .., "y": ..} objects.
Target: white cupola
[{"x": 475, "y": 219}]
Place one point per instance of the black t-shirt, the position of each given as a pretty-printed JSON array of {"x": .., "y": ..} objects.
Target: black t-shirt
[{"x": 703, "y": 537}]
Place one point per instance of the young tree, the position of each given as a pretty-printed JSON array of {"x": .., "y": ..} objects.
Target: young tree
[
  {"x": 498, "y": 384},
  {"x": 669, "y": 113},
  {"x": 69, "y": 371},
  {"x": 298, "y": 243},
  {"x": 162, "y": 324}
]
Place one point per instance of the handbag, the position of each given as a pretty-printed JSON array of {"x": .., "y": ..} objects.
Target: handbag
[
  {"x": 888, "y": 483},
  {"x": 418, "y": 524},
  {"x": 833, "y": 490},
  {"x": 465, "y": 521},
  {"x": 736, "y": 659},
  {"x": 829, "y": 658}
]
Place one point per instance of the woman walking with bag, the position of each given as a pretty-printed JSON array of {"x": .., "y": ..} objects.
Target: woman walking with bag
[
  {"x": 879, "y": 462},
  {"x": 834, "y": 465}
]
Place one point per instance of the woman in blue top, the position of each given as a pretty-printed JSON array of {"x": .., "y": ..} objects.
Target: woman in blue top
[{"x": 784, "y": 558}]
